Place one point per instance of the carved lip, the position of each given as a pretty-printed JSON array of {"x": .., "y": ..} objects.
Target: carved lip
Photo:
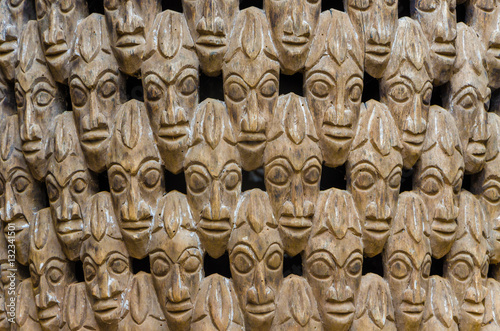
[
  {"x": 294, "y": 40},
  {"x": 340, "y": 310},
  {"x": 94, "y": 137},
  {"x": 136, "y": 227},
  {"x": 260, "y": 309},
  {"x": 476, "y": 309},
  {"x": 105, "y": 306},
  {"x": 32, "y": 146},
  {"x": 412, "y": 308},
  {"x": 494, "y": 48},
  {"x": 378, "y": 50},
  {"x": 210, "y": 40},
  {"x": 252, "y": 140},
  {"x": 296, "y": 222},
  {"x": 478, "y": 149},
  {"x": 214, "y": 228},
  {"x": 7, "y": 47},
  {"x": 56, "y": 49},
  {"x": 444, "y": 49},
  {"x": 179, "y": 307},
  {"x": 45, "y": 315},
  {"x": 414, "y": 139},
  {"x": 378, "y": 226},
  {"x": 173, "y": 133},
  {"x": 444, "y": 227},
  {"x": 69, "y": 226},
  {"x": 19, "y": 222},
  {"x": 339, "y": 134},
  {"x": 130, "y": 40}
]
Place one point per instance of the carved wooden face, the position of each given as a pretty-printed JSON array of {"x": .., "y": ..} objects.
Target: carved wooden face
[
  {"x": 210, "y": 23},
  {"x": 129, "y": 22},
  {"x": 57, "y": 21},
  {"x": 333, "y": 94},
  {"x": 407, "y": 93},
  {"x": 441, "y": 306},
  {"x": 439, "y": 23},
  {"x": 376, "y": 21}
]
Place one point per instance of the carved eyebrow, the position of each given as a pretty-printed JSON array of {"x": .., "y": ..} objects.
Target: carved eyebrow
[
  {"x": 14, "y": 170},
  {"x": 432, "y": 168},
  {"x": 42, "y": 80},
  {"x": 280, "y": 160},
  {"x": 53, "y": 261},
  {"x": 406, "y": 256},
  {"x": 189, "y": 250},
  {"x": 67, "y": 179},
  {"x": 97, "y": 78},
  {"x": 322, "y": 73},
  {"x": 178, "y": 73},
  {"x": 245, "y": 247}
]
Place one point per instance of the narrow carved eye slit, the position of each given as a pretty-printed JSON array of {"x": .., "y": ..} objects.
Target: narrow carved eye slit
[
  {"x": 118, "y": 266},
  {"x": 79, "y": 185},
  {"x": 191, "y": 264},
  {"x": 89, "y": 271},
  {"x": 399, "y": 92},
  {"x": 390, "y": 2},
  {"x": 461, "y": 270},
  {"x": 312, "y": 174},
  {"x": 15, "y": 3},
  {"x": 151, "y": 177},
  {"x": 231, "y": 180},
  {"x": 430, "y": 185},
  {"x": 492, "y": 194},
  {"x": 118, "y": 182},
  {"x": 78, "y": 96},
  {"x": 274, "y": 261},
  {"x": 42, "y": 98},
  {"x": 320, "y": 269},
  {"x": 278, "y": 175},
  {"x": 243, "y": 263},
  {"x": 35, "y": 278},
  {"x": 154, "y": 92},
  {"x": 467, "y": 101},
  {"x": 426, "y": 99},
  {"x": 54, "y": 275},
  {"x": 108, "y": 89},
  {"x": 236, "y": 92},
  {"x": 426, "y": 270},
  {"x": 320, "y": 88},
  {"x": 399, "y": 269},
  {"x": 20, "y": 183},
  {"x": 188, "y": 85},
  {"x": 364, "y": 180},
  {"x": 111, "y": 4},
  {"x": 484, "y": 269},
  {"x": 160, "y": 267},
  {"x": 269, "y": 88},
  {"x": 19, "y": 99},
  {"x": 197, "y": 182}
]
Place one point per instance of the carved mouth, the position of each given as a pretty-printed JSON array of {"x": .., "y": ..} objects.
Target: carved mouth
[
  {"x": 378, "y": 51},
  {"x": 214, "y": 228},
  {"x": 56, "y": 50},
  {"x": 130, "y": 41},
  {"x": 136, "y": 227},
  {"x": 179, "y": 308},
  {"x": 105, "y": 307},
  {"x": 262, "y": 310},
  {"x": 32, "y": 147},
  {"x": 294, "y": 41},
  {"x": 339, "y": 134},
  {"x": 252, "y": 140},
  {"x": 477, "y": 149},
  {"x": 46, "y": 315},
  {"x": 413, "y": 139},
  {"x": 475, "y": 309},
  {"x": 212, "y": 41},
  {"x": 296, "y": 225},
  {"x": 494, "y": 49},
  {"x": 377, "y": 227},
  {"x": 19, "y": 222},
  {"x": 412, "y": 310},
  {"x": 340, "y": 310},
  {"x": 445, "y": 50},
  {"x": 444, "y": 227},
  {"x": 94, "y": 138},
  {"x": 173, "y": 133},
  {"x": 7, "y": 47},
  {"x": 69, "y": 226}
]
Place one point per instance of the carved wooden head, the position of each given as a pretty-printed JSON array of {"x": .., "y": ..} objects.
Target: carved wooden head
[
  {"x": 57, "y": 22},
  {"x": 374, "y": 168},
  {"x": 293, "y": 27},
  {"x": 170, "y": 81},
  {"x": 438, "y": 178},
  {"x": 466, "y": 265},
  {"x": 20, "y": 194},
  {"x": 333, "y": 258},
  {"x": 78, "y": 313},
  {"x": 256, "y": 259},
  {"x": 26, "y": 310},
  {"x": 213, "y": 175},
  {"x": 467, "y": 97},
  {"x": 38, "y": 99},
  {"x": 69, "y": 185},
  {"x": 97, "y": 88},
  {"x": 51, "y": 272},
  {"x": 406, "y": 87},
  {"x": 492, "y": 307},
  {"x": 441, "y": 308},
  {"x": 251, "y": 84},
  {"x": 376, "y": 22},
  {"x": 333, "y": 85},
  {"x": 106, "y": 262},
  {"x": 8, "y": 270},
  {"x": 210, "y": 23},
  {"x": 176, "y": 260}
]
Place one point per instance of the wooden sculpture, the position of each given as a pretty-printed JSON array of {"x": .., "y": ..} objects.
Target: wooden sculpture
[
  {"x": 407, "y": 261},
  {"x": 376, "y": 22},
  {"x": 441, "y": 308},
  {"x": 466, "y": 97},
  {"x": 210, "y": 23},
  {"x": 135, "y": 175},
  {"x": 374, "y": 168},
  {"x": 51, "y": 271},
  {"x": 333, "y": 258},
  {"x": 213, "y": 175},
  {"x": 251, "y": 84},
  {"x": 333, "y": 85},
  {"x": 170, "y": 81},
  {"x": 491, "y": 320},
  {"x": 293, "y": 27},
  {"x": 20, "y": 194},
  {"x": 4, "y": 321},
  {"x": 374, "y": 309},
  {"x": 26, "y": 311},
  {"x": 466, "y": 265},
  {"x": 292, "y": 166},
  {"x": 129, "y": 23},
  {"x": 10, "y": 277},
  {"x": 438, "y": 20},
  {"x": 7, "y": 98},
  {"x": 57, "y": 22},
  {"x": 406, "y": 87},
  {"x": 256, "y": 259},
  {"x": 176, "y": 261},
  {"x": 78, "y": 312},
  {"x": 96, "y": 87},
  {"x": 438, "y": 178}
]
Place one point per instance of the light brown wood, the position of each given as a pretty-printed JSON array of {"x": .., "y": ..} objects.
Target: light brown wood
[
  {"x": 26, "y": 311},
  {"x": 491, "y": 306},
  {"x": 78, "y": 312},
  {"x": 441, "y": 308}
]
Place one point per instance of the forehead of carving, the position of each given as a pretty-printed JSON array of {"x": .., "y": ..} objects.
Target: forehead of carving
[
  {"x": 10, "y": 141},
  {"x": 251, "y": 70},
  {"x": 102, "y": 221},
  {"x": 470, "y": 51},
  {"x": 91, "y": 73},
  {"x": 174, "y": 213},
  {"x": 91, "y": 38},
  {"x": 43, "y": 263},
  {"x": 100, "y": 252},
  {"x": 417, "y": 78},
  {"x": 65, "y": 143},
  {"x": 339, "y": 74},
  {"x": 369, "y": 156},
  {"x": 295, "y": 155},
  {"x": 464, "y": 79},
  {"x": 339, "y": 249},
  {"x": 448, "y": 166},
  {"x": 442, "y": 132},
  {"x": 174, "y": 247},
  {"x": 168, "y": 70},
  {"x": 44, "y": 243},
  {"x": 471, "y": 218},
  {"x": 27, "y": 81},
  {"x": 31, "y": 57},
  {"x": 214, "y": 160},
  {"x": 411, "y": 217},
  {"x": 493, "y": 144},
  {"x": 211, "y": 124}
]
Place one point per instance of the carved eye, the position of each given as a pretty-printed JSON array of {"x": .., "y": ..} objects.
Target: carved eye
[
  {"x": 151, "y": 177},
  {"x": 35, "y": 278},
  {"x": 427, "y": 5},
  {"x": 399, "y": 269},
  {"x": 15, "y": 3},
  {"x": 426, "y": 98},
  {"x": 467, "y": 101},
  {"x": 430, "y": 185},
  {"x": 274, "y": 261},
  {"x": 311, "y": 175},
  {"x": 78, "y": 96},
  {"x": 79, "y": 185},
  {"x": 321, "y": 89},
  {"x": 269, "y": 88},
  {"x": 54, "y": 275},
  {"x": 198, "y": 182},
  {"x": 395, "y": 180},
  {"x": 89, "y": 272},
  {"x": 243, "y": 263},
  {"x": 486, "y": 5},
  {"x": 154, "y": 92},
  {"x": 118, "y": 183},
  {"x": 20, "y": 183},
  {"x": 461, "y": 270},
  {"x": 19, "y": 99},
  {"x": 236, "y": 92},
  {"x": 192, "y": 264},
  {"x": 110, "y": 4},
  {"x": 52, "y": 191},
  {"x": 42, "y": 98},
  {"x": 399, "y": 92},
  {"x": 108, "y": 89},
  {"x": 320, "y": 269},
  {"x": 231, "y": 180},
  {"x": 390, "y": 2},
  {"x": 188, "y": 85},
  {"x": 355, "y": 93},
  {"x": 360, "y": 4},
  {"x": 67, "y": 5},
  {"x": 160, "y": 267},
  {"x": 41, "y": 8},
  {"x": 492, "y": 194},
  {"x": 354, "y": 267},
  {"x": 118, "y": 266},
  {"x": 278, "y": 175},
  {"x": 484, "y": 269},
  {"x": 364, "y": 180},
  {"x": 426, "y": 270}
]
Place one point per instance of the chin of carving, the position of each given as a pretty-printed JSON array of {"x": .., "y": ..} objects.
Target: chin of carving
[
  {"x": 216, "y": 307},
  {"x": 256, "y": 259},
  {"x": 441, "y": 163},
  {"x": 78, "y": 312},
  {"x": 251, "y": 84},
  {"x": 26, "y": 311},
  {"x": 374, "y": 309},
  {"x": 441, "y": 310},
  {"x": 170, "y": 80},
  {"x": 374, "y": 168}
]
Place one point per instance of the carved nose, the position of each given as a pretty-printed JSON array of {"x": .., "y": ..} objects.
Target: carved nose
[
  {"x": 378, "y": 29},
  {"x": 178, "y": 292},
  {"x": 445, "y": 30},
  {"x": 251, "y": 121},
  {"x": 415, "y": 123},
  {"x": 131, "y": 22},
  {"x": 446, "y": 208},
  {"x": 55, "y": 33},
  {"x": 479, "y": 130},
  {"x": 339, "y": 291},
  {"x": 338, "y": 115},
  {"x": 8, "y": 32},
  {"x": 173, "y": 113},
  {"x": 12, "y": 208},
  {"x": 29, "y": 129},
  {"x": 45, "y": 298},
  {"x": 476, "y": 292},
  {"x": 414, "y": 293},
  {"x": 211, "y": 21},
  {"x": 378, "y": 211},
  {"x": 260, "y": 293}
]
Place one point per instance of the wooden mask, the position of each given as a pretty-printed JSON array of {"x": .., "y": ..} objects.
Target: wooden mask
[
  {"x": 251, "y": 84},
  {"x": 20, "y": 194},
  {"x": 210, "y": 23},
  {"x": 69, "y": 185},
  {"x": 216, "y": 307},
  {"x": 333, "y": 85},
  {"x": 484, "y": 17},
  {"x": 97, "y": 87},
  {"x": 438, "y": 178},
  {"x": 135, "y": 176},
  {"x": 333, "y": 258},
  {"x": 9, "y": 271},
  {"x": 438, "y": 20},
  {"x": 78, "y": 312},
  {"x": 374, "y": 168},
  {"x": 38, "y": 99},
  {"x": 51, "y": 272},
  {"x": 466, "y": 265},
  {"x": 292, "y": 165},
  {"x": 106, "y": 263},
  {"x": 467, "y": 97},
  {"x": 406, "y": 87},
  {"x": 256, "y": 259},
  {"x": 57, "y": 22},
  {"x": 213, "y": 175},
  {"x": 407, "y": 261},
  {"x": 170, "y": 81},
  {"x": 176, "y": 260},
  {"x": 129, "y": 23},
  {"x": 441, "y": 309},
  {"x": 492, "y": 306},
  {"x": 26, "y": 311},
  {"x": 293, "y": 26},
  {"x": 376, "y": 22},
  {"x": 374, "y": 310}
]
